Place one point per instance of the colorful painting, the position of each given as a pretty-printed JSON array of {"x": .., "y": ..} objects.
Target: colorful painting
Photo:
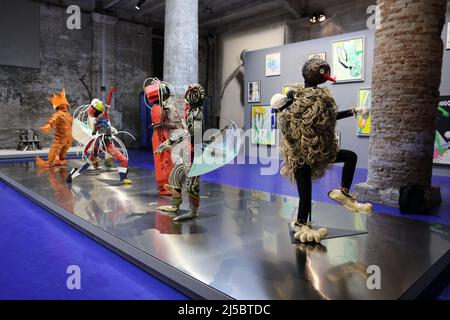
[
  {"x": 364, "y": 122},
  {"x": 348, "y": 60},
  {"x": 273, "y": 64},
  {"x": 263, "y": 125},
  {"x": 322, "y": 55},
  {"x": 442, "y": 140},
  {"x": 254, "y": 91}
]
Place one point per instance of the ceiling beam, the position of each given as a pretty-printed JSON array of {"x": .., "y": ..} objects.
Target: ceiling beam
[
  {"x": 112, "y": 4},
  {"x": 237, "y": 12},
  {"x": 294, "y": 7},
  {"x": 151, "y": 5}
]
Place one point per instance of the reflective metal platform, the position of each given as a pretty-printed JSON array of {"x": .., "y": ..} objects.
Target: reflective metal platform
[{"x": 240, "y": 247}]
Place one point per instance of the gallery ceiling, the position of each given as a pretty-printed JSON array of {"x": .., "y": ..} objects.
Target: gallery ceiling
[{"x": 213, "y": 14}]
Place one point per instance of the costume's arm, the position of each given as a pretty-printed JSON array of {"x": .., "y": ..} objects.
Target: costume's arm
[
  {"x": 172, "y": 141},
  {"x": 357, "y": 111},
  {"x": 345, "y": 114},
  {"x": 280, "y": 102},
  {"x": 51, "y": 123}
]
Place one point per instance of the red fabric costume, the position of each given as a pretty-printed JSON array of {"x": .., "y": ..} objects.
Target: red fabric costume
[
  {"x": 161, "y": 132},
  {"x": 163, "y": 161}
]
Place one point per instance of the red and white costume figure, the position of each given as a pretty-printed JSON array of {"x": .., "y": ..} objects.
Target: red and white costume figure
[
  {"x": 158, "y": 93},
  {"x": 103, "y": 140}
]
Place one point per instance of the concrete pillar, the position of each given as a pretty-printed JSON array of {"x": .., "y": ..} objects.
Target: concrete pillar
[
  {"x": 103, "y": 54},
  {"x": 181, "y": 44},
  {"x": 405, "y": 89}
]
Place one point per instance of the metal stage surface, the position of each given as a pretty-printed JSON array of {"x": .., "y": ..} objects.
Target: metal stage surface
[{"x": 240, "y": 246}]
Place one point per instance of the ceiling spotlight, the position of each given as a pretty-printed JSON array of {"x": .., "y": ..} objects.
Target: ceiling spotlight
[
  {"x": 313, "y": 19},
  {"x": 322, "y": 18},
  {"x": 139, "y": 4},
  {"x": 208, "y": 10}
]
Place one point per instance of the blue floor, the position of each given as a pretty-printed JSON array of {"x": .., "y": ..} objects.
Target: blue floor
[{"x": 40, "y": 247}]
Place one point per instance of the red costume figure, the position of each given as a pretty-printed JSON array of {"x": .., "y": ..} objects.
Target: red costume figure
[
  {"x": 61, "y": 121},
  {"x": 157, "y": 93}
]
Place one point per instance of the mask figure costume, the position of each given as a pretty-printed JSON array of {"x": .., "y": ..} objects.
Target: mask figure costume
[
  {"x": 194, "y": 98},
  {"x": 103, "y": 140},
  {"x": 309, "y": 145},
  {"x": 61, "y": 120},
  {"x": 158, "y": 93}
]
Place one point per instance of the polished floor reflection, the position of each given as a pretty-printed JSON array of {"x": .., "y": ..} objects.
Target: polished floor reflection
[{"x": 240, "y": 245}]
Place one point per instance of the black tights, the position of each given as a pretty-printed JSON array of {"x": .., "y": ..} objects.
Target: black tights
[{"x": 304, "y": 182}]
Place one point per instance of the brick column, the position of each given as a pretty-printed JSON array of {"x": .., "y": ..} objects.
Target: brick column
[{"x": 405, "y": 88}]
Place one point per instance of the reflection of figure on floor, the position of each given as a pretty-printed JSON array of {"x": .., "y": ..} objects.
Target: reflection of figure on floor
[
  {"x": 309, "y": 144},
  {"x": 194, "y": 97},
  {"x": 56, "y": 178},
  {"x": 61, "y": 121}
]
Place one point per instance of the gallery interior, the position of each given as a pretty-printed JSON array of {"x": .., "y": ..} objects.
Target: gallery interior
[{"x": 206, "y": 149}]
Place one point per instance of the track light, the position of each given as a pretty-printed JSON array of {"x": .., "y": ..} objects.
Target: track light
[
  {"x": 317, "y": 18},
  {"x": 139, "y": 4}
]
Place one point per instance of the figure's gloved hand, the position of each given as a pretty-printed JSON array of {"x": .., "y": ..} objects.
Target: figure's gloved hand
[
  {"x": 164, "y": 146},
  {"x": 278, "y": 101},
  {"x": 113, "y": 131},
  {"x": 361, "y": 111},
  {"x": 46, "y": 129}
]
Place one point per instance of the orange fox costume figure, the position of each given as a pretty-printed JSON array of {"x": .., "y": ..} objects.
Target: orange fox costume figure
[{"x": 61, "y": 121}]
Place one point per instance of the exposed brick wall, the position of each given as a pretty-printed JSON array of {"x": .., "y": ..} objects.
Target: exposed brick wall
[
  {"x": 405, "y": 89},
  {"x": 65, "y": 56}
]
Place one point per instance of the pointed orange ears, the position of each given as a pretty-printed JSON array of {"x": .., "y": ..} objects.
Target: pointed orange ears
[{"x": 59, "y": 100}]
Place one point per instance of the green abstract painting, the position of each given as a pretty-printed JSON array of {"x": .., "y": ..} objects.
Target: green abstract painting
[{"x": 348, "y": 60}]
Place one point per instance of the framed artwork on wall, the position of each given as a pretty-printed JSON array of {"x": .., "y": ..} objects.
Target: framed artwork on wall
[
  {"x": 273, "y": 64},
  {"x": 448, "y": 36},
  {"x": 364, "y": 122},
  {"x": 254, "y": 91},
  {"x": 263, "y": 125},
  {"x": 348, "y": 60},
  {"x": 442, "y": 140},
  {"x": 322, "y": 55}
]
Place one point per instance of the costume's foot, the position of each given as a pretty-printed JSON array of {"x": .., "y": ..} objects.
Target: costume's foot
[
  {"x": 165, "y": 193},
  {"x": 350, "y": 202},
  {"x": 126, "y": 182},
  {"x": 306, "y": 234},
  {"x": 187, "y": 216},
  {"x": 60, "y": 162},
  {"x": 41, "y": 163},
  {"x": 168, "y": 209}
]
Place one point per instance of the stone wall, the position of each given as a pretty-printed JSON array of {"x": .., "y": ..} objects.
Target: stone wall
[{"x": 65, "y": 56}]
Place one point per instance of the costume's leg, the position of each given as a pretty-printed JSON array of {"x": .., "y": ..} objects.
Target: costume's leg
[
  {"x": 304, "y": 187},
  {"x": 118, "y": 156},
  {"x": 63, "y": 152},
  {"x": 193, "y": 190},
  {"x": 54, "y": 151},
  {"x": 163, "y": 162},
  {"x": 176, "y": 179},
  {"x": 342, "y": 195},
  {"x": 301, "y": 227}
]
